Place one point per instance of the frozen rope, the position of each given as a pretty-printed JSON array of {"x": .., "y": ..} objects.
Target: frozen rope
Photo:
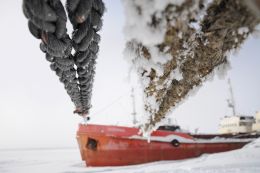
[
  {"x": 85, "y": 16},
  {"x": 47, "y": 21}
]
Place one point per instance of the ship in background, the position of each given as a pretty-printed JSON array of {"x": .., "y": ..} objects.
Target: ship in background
[
  {"x": 236, "y": 123},
  {"x": 256, "y": 125},
  {"x": 105, "y": 145}
]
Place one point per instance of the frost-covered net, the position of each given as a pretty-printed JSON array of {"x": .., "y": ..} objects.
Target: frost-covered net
[{"x": 175, "y": 44}]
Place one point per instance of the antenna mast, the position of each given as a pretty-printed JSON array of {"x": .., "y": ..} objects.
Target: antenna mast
[
  {"x": 133, "y": 103},
  {"x": 169, "y": 121},
  {"x": 231, "y": 101}
]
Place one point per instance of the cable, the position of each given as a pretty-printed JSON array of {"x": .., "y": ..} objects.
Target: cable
[
  {"x": 47, "y": 21},
  {"x": 85, "y": 16}
]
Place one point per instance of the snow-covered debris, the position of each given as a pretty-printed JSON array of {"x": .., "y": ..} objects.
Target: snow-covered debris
[
  {"x": 175, "y": 45},
  {"x": 139, "y": 22},
  {"x": 242, "y": 30}
]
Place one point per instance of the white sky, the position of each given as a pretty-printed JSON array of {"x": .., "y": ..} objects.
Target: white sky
[{"x": 35, "y": 110}]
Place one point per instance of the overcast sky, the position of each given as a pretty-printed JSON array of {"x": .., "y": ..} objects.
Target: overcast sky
[{"x": 35, "y": 110}]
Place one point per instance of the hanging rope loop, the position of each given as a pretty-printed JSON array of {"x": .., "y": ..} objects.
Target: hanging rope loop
[{"x": 47, "y": 21}]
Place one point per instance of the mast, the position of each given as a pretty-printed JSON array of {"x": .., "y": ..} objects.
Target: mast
[
  {"x": 231, "y": 100},
  {"x": 169, "y": 121},
  {"x": 133, "y": 104}
]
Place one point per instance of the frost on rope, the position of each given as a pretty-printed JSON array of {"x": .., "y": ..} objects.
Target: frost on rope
[{"x": 175, "y": 45}]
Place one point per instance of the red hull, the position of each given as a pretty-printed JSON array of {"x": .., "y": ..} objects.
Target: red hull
[{"x": 118, "y": 146}]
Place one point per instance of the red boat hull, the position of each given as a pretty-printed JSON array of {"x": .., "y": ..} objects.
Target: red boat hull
[{"x": 118, "y": 146}]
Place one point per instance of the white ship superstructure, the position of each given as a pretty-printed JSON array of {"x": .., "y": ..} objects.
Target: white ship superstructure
[
  {"x": 256, "y": 125},
  {"x": 236, "y": 124}
]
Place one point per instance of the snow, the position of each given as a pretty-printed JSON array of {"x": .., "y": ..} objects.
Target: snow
[
  {"x": 142, "y": 31},
  {"x": 243, "y": 30},
  {"x": 144, "y": 36},
  {"x": 176, "y": 74},
  {"x": 67, "y": 160},
  {"x": 132, "y": 55},
  {"x": 181, "y": 139}
]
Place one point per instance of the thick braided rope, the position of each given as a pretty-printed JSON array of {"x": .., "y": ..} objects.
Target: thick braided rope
[
  {"x": 47, "y": 21},
  {"x": 85, "y": 16}
]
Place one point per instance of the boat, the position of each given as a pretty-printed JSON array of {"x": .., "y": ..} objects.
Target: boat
[
  {"x": 237, "y": 123},
  {"x": 106, "y": 145},
  {"x": 256, "y": 125}
]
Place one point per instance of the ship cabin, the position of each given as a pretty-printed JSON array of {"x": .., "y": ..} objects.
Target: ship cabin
[
  {"x": 256, "y": 125},
  {"x": 236, "y": 124}
]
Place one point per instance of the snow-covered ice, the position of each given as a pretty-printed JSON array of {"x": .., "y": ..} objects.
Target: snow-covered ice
[{"x": 245, "y": 160}]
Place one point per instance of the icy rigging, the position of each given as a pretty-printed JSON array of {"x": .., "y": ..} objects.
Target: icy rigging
[{"x": 175, "y": 45}]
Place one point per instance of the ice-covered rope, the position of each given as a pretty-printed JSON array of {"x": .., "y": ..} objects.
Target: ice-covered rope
[
  {"x": 47, "y": 21},
  {"x": 85, "y": 16},
  {"x": 175, "y": 45}
]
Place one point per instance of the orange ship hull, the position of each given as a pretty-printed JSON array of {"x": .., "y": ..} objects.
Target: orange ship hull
[{"x": 117, "y": 146}]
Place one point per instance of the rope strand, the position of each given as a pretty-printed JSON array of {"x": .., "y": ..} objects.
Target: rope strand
[{"x": 85, "y": 16}]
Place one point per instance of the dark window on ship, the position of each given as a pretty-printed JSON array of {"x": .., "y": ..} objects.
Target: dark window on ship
[{"x": 92, "y": 144}]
